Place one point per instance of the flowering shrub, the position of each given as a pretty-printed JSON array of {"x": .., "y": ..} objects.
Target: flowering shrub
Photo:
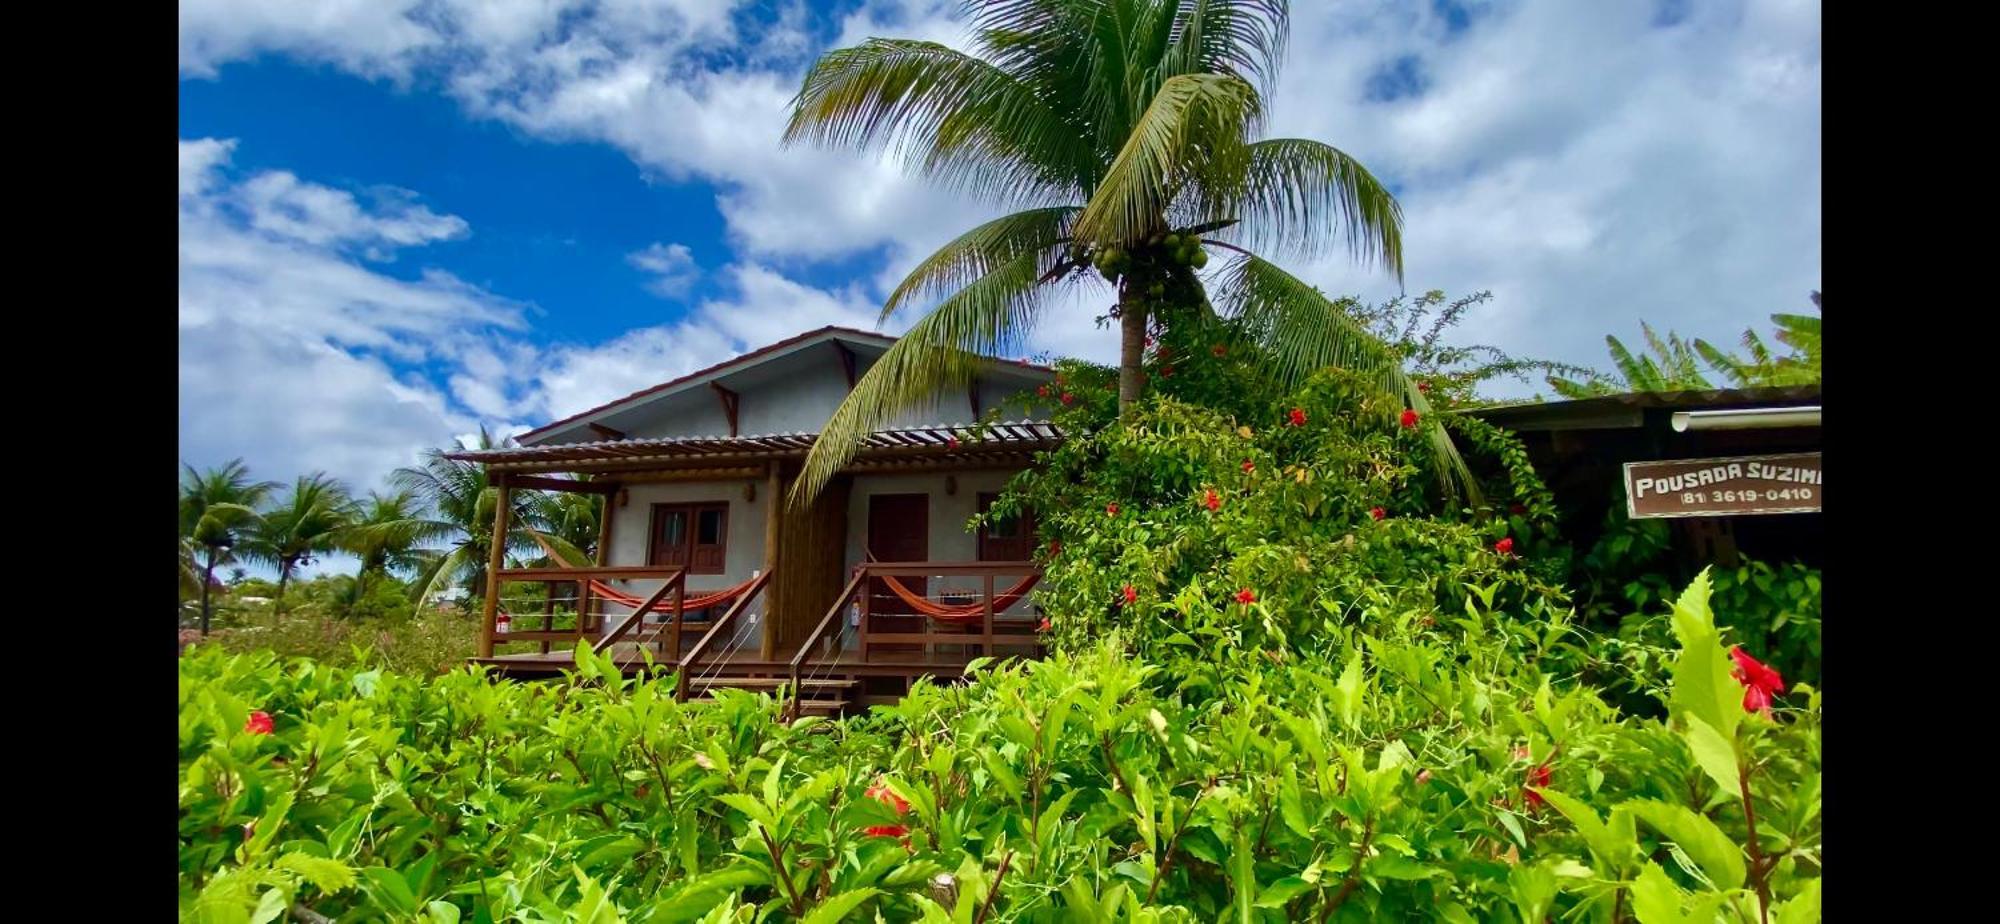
[
  {"x": 1338, "y": 696},
  {"x": 1402, "y": 779}
]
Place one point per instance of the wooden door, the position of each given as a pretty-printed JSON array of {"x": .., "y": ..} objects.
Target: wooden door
[{"x": 899, "y": 530}]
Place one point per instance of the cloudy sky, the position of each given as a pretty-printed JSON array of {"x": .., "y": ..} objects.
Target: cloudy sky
[{"x": 401, "y": 220}]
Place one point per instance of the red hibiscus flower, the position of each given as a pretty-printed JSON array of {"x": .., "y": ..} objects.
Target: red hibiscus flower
[
  {"x": 1212, "y": 501},
  {"x": 951, "y": 443},
  {"x": 881, "y": 793},
  {"x": 1166, "y": 372},
  {"x": 1044, "y": 627},
  {"x": 1111, "y": 509},
  {"x": 1068, "y": 399},
  {"x": 1409, "y": 419},
  {"x": 1423, "y": 386},
  {"x": 1249, "y": 466},
  {"x": 1043, "y": 391},
  {"x": 1296, "y": 418},
  {"x": 1131, "y": 595},
  {"x": 1538, "y": 777},
  {"x": 1760, "y": 681},
  {"x": 1504, "y": 546},
  {"x": 259, "y": 723},
  {"x": 1246, "y": 596},
  {"x": 1219, "y": 350},
  {"x": 1377, "y": 512}
]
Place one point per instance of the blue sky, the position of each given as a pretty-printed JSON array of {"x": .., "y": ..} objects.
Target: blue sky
[{"x": 406, "y": 219}]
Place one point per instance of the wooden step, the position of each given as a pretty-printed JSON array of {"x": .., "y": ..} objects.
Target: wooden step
[{"x": 769, "y": 683}]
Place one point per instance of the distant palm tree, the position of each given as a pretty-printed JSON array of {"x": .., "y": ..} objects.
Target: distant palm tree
[
  {"x": 217, "y": 508},
  {"x": 1671, "y": 364},
  {"x": 304, "y": 524},
  {"x": 389, "y": 534},
  {"x": 1125, "y": 130},
  {"x": 461, "y": 502}
]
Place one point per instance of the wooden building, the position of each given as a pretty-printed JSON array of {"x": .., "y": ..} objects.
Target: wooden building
[
  {"x": 1582, "y": 448},
  {"x": 879, "y": 580}
]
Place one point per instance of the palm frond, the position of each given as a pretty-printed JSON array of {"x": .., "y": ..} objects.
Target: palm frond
[
  {"x": 945, "y": 113},
  {"x": 1196, "y": 123},
  {"x": 1241, "y": 37},
  {"x": 941, "y": 351},
  {"x": 978, "y": 251},
  {"x": 1306, "y": 332},
  {"x": 1295, "y": 196}
]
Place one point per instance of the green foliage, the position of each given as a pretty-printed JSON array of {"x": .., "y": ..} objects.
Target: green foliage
[
  {"x": 1675, "y": 364},
  {"x": 1437, "y": 777}
]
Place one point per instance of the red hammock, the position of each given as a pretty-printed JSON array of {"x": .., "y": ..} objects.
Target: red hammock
[
  {"x": 962, "y": 613},
  {"x": 613, "y": 594}
]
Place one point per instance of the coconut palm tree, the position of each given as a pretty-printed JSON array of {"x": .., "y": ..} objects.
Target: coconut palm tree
[
  {"x": 304, "y": 524},
  {"x": 1125, "y": 132},
  {"x": 461, "y": 501},
  {"x": 388, "y": 534},
  {"x": 217, "y": 509}
]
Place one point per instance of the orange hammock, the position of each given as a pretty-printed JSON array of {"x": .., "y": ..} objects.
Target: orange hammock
[
  {"x": 963, "y": 613},
  {"x": 613, "y": 594}
]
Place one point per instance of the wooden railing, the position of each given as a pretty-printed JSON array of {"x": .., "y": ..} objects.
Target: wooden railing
[
  {"x": 676, "y": 584},
  {"x": 701, "y": 646},
  {"x": 581, "y": 577},
  {"x": 818, "y": 635},
  {"x": 987, "y": 572}
]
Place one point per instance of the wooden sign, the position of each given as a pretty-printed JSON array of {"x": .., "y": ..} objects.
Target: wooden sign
[{"x": 1787, "y": 483}]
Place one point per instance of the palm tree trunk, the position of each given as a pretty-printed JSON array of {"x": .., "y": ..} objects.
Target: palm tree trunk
[
  {"x": 1132, "y": 344},
  {"x": 284, "y": 577},
  {"x": 207, "y": 578}
]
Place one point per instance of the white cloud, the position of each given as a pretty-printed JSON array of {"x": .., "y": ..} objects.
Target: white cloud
[
  {"x": 672, "y": 266},
  {"x": 289, "y": 348}
]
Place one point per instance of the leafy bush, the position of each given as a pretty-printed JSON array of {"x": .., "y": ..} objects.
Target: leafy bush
[
  {"x": 431, "y": 644},
  {"x": 1412, "y": 778},
  {"x": 1300, "y": 710}
]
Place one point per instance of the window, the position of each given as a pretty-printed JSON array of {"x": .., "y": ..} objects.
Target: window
[
  {"x": 691, "y": 536},
  {"x": 1008, "y": 538}
]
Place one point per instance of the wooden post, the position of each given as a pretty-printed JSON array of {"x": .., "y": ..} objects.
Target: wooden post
[
  {"x": 774, "y": 504},
  {"x": 496, "y": 558},
  {"x": 986, "y": 586},
  {"x": 584, "y": 623}
]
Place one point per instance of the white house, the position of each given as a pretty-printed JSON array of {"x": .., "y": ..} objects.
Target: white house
[{"x": 696, "y": 471}]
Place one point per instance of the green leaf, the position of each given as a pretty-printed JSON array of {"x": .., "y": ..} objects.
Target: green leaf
[
  {"x": 270, "y": 906},
  {"x": 836, "y": 907},
  {"x": 1277, "y": 894},
  {"x": 442, "y": 912},
  {"x": 1803, "y": 908},
  {"x": 1347, "y": 691},
  {"x": 749, "y": 806},
  {"x": 1704, "y": 843},
  {"x": 328, "y": 876},
  {"x": 387, "y": 888},
  {"x": 1607, "y": 846},
  {"x": 1715, "y": 754},
  {"x": 617, "y": 849},
  {"x": 1655, "y": 898}
]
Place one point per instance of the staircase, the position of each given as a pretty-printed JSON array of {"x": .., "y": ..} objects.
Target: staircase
[{"x": 830, "y": 697}]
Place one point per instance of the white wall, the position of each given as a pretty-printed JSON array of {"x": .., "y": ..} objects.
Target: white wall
[
  {"x": 949, "y": 538},
  {"x": 632, "y": 523}
]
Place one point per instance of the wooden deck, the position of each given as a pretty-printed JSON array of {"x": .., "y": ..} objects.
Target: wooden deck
[{"x": 868, "y": 648}]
